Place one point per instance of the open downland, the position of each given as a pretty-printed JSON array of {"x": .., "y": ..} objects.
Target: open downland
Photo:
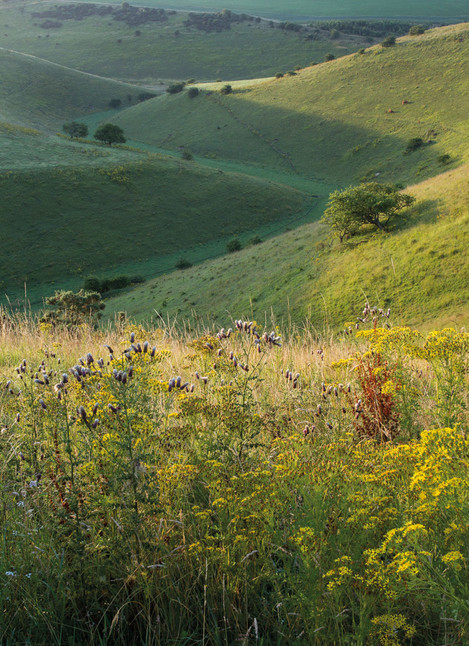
[
  {"x": 332, "y": 121},
  {"x": 115, "y": 210},
  {"x": 168, "y": 49},
  {"x": 39, "y": 94},
  {"x": 324, "y": 8},
  {"x": 420, "y": 270}
]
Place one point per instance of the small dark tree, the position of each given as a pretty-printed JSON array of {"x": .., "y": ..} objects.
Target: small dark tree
[
  {"x": 370, "y": 203},
  {"x": 234, "y": 245},
  {"x": 175, "y": 88},
  {"x": 329, "y": 57},
  {"x": 226, "y": 89},
  {"x": 413, "y": 144},
  {"x": 389, "y": 41},
  {"x": 192, "y": 92},
  {"x": 70, "y": 309},
  {"x": 109, "y": 133},
  {"x": 187, "y": 155},
  {"x": 75, "y": 130},
  {"x": 183, "y": 263},
  {"x": 115, "y": 103},
  {"x": 416, "y": 30}
]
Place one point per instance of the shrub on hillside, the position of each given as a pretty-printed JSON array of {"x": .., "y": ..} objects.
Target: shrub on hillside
[
  {"x": 175, "y": 88},
  {"x": 75, "y": 130},
  {"x": 234, "y": 245},
  {"x": 417, "y": 30},
  {"x": 192, "y": 92},
  {"x": 226, "y": 89},
  {"x": 183, "y": 263},
  {"x": 329, "y": 57},
  {"x": 389, "y": 41},
  {"x": 70, "y": 309},
  {"x": 187, "y": 155},
  {"x": 414, "y": 144},
  {"x": 109, "y": 134}
]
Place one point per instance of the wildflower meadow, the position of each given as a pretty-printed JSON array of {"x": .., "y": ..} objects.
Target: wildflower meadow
[{"x": 238, "y": 486}]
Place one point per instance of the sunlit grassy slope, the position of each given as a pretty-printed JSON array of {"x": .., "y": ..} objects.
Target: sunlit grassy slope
[
  {"x": 43, "y": 95},
  {"x": 420, "y": 270},
  {"x": 79, "y": 209},
  {"x": 247, "y": 50},
  {"x": 332, "y": 120}
]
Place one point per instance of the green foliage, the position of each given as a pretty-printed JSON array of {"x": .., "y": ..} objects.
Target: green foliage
[
  {"x": 234, "y": 245},
  {"x": 444, "y": 159},
  {"x": 279, "y": 75},
  {"x": 417, "y": 30},
  {"x": 329, "y": 57},
  {"x": 71, "y": 309},
  {"x": 92, "y": 283},
  {"x": 255, "y": 240},
  {"x": 175, "y": 88},
  {"x": 110, "y": 134},
  {"x": 414, "y": 144},
  {"x": 75, "y": 130},
  {"x": 389, "y": 41},
  {"x": 192, "y": 92},
  {"x": 187, "y": 155},
  {"x": 226, "y": 89},
  {"x": 370, "y": 203},
  {"x": 183, "y": 263}
]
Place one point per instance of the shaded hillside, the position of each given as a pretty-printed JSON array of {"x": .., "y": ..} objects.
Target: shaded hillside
[
  {"x": 94, "y": 209},
  {"x": 40, "y": 94},
  {"x": 344, "y": 120},
  {"x": 420, "y": 270}
]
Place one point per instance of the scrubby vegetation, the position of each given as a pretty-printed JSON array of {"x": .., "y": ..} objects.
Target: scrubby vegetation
[{"x": 234, "y": 485}]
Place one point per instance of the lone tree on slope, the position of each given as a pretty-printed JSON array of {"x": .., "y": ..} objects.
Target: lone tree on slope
[
  {"x": 74, "y": 129},
  {"x": 369, "y": 203},
  {"x": 109, "y": 133}
]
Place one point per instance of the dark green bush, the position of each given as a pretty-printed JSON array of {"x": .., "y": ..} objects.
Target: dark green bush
[
  {"x": 413, "y": 144},
  {"x": 234, "y": 245},
  {"x": 183, "y": 263},
  {"x": 226, "y": 89},
  {"x": 192, "y": 92},
  {"x": 329, "y": 57},
  {"x": 416, "y": 30},
  {"x": 175, "y": 88},
  {"x": 389, "y": 41},
  {"x": 187, "y": 155}
]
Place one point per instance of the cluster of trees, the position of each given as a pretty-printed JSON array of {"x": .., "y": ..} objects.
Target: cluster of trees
[
  {"x": 356, "y": 207},
  {"x": 132, "y": 16},
  {"x": 103, "y": 285},
  {"x": 210, "y": 22},
  {"x": 108, "y": 133},
  {"x": 370, "y": 28}
]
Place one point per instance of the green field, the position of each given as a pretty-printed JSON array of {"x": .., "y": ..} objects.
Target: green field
[
  {"x": 322, "y": 123},
  {"x": 304, "y": 9},
  {"x": 167, "y": 50}
]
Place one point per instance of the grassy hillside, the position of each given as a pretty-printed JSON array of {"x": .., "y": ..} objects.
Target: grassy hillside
[
  {"x": 420, "y": 271},
  {"x": 40, "y": 94},
  {"x": 168, "y": 49},
  {"x": 332, "y": 120},
  {"x": 81, "y": 209},
  {"x": 324, "y": 8}
]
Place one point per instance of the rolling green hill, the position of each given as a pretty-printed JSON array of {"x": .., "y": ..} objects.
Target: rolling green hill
[
  {"x": 342, "y": 121},
  {"x": 81, "y": 209},
  {"x": 167, "y": 48},
  {"x": 39, "y": 94},
  {"x": 420, "y": 270}
]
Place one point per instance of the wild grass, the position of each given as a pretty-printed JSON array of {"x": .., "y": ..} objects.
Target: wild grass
[
  {"x": 332, "y": 121},
  {"x": 234, "y": 486}
]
